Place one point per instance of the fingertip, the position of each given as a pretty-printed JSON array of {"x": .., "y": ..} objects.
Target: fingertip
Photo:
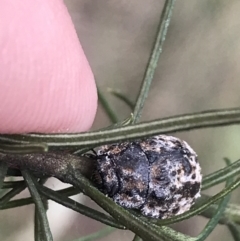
[{"x": 46, "y": 82}]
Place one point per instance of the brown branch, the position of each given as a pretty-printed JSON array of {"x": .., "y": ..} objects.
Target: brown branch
[{"x": 51, "y": 164}]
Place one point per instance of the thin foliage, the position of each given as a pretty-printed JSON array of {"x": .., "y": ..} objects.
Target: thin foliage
[{"x": 216, "y": 208}]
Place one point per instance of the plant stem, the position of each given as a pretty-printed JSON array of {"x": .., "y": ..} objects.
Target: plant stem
[
  {"x": 78, "y": 207},
  {"x": 193, "y": 121},
  {"x": 37, "y": 228},
  {"x": 15, "y": 191},
  {"x": 212, "y": 223},
  {"x": 24, "y": 148},
  {"x": 110, "y": 113},
  {"x": 122, "y": 97},
  {"x": 231, "y": 212},
  {"x": 153, "y": 60},
  {"x": 3, "y": 172},
  {"x": 221, "y": 175},
  {"x": 31, "y": 183},
  {"x": 235, "y": 230},
  {"x": 12, "y": 184},
  {"x": 124, "y": 217},
  {"x": 70, "y": 191}
]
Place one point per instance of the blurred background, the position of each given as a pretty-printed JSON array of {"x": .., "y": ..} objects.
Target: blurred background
[{"x": 198, "y": 70}]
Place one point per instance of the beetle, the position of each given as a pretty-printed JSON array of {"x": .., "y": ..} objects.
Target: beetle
[{"x": 160, "y": 176}]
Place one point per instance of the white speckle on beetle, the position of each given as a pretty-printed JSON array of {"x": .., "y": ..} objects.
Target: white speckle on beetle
[{"x": 160, "y": 176}]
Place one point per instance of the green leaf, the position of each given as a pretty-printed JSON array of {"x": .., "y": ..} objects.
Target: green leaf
[
  {"x": 212, "y": 223},
  {"x": 9, "y": 195},
  {"x": 186, "y": 122},
  {"x": 122, "y": 97},
  {"x": 41, "y": 212},
  {"x": 231, "y": 212},
  {"x": 23, "y": 148},
  {"x": 153, "y": 60},
  {"x": 235, "y": 230},
  {"x": 109, "y": 111},
  {"x": 3, "y": 172},
  {"x": 78, "y": 207},
  {"x": 221, "y": 175}
]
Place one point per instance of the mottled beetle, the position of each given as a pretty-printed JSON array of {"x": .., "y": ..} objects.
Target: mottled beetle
[{"x": 160, "y": 176}]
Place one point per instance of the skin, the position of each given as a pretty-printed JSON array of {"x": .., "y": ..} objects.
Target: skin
[{"x": 46, "y": 83}]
